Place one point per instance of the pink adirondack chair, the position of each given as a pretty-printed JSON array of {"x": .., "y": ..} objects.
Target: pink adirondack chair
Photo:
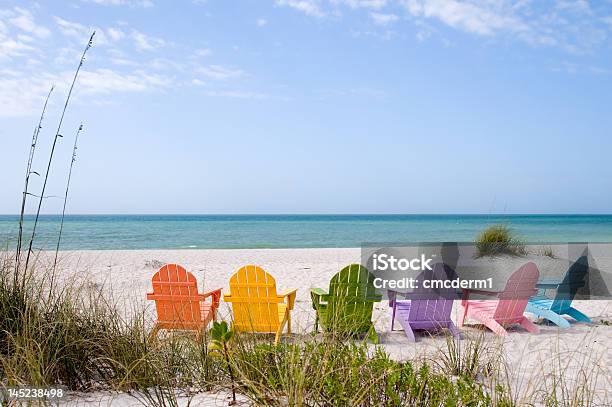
[{"x": 509, "y": 306}]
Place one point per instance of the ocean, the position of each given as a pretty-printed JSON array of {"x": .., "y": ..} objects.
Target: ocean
[{"x": 294, "y": 231}]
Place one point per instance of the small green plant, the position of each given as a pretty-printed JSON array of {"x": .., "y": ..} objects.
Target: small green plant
[
  {"x": 221, "y": 336},
  {"x": 469, "y": 357},
  {"x": 548, "y": 252},
  {"x": 499, "y": 240}
]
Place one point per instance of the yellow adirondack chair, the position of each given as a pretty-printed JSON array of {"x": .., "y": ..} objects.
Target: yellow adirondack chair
[{"x": 256, "y": 305}]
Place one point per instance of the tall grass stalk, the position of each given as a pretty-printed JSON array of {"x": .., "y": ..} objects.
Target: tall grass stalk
[
  {"x": 57, "y": 136},
  {"x": 61, "y": 229},
  {"x": 29, "y": 172},
  {"x": 570, "y": 376}
]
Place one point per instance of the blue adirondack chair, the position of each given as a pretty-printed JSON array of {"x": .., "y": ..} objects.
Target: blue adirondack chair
[
  {"x": 553, "y": 309},
  {"x": 427, "y": 309}
]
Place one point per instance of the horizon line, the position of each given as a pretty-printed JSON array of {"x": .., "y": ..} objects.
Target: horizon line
[{"x": 327, "y": 214}]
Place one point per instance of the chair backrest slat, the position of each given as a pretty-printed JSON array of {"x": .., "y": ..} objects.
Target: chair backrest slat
[
  {"x": 575, "y": 278},
  {"x": 175, "y": 292},
  {"x": 520, "y": 286},
  {"x": 350, "y": 302},
  {"x": 256, "y": 307},
  {"x": 433, "y": 303}
]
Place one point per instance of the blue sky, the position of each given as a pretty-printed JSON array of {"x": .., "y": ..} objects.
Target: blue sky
[{"x": 307, "y": 106}]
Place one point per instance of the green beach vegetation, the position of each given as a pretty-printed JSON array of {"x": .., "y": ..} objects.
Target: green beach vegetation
[
  {"x": 499, "y": 240},
  {"x": 75, "y": 336}
]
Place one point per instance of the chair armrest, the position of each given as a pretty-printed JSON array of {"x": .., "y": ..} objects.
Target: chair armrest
[
  {"x": 227, "y": 297},
  {"x": 392, "y": 298},
  {"x": 215, "y": 294},
  {"x": 468, "y": 291},
  {"x": 548, "y": 284},
  {"x": 290, "y": 295},
  {"x": 317, "y": 295}
]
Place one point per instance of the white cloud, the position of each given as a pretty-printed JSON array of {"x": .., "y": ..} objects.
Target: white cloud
[
  {"x": 10, "y": 47},
  {"x": 130, "y": 3},
  {"x": 351, "y": 92},
  {"x": 201, "y": 52},
  {"x": 571, "y": 25},
  {"x": 25, "y": 22},
  {"x": 261, "y": 22},
  {"x": 23, "y": 93},
  {"x": 218, "y": 72},
  {"x": 123, "y": 61},
  {"x": 109, "y": 81},
  {"x": 115, "y": 34},
  {"x": 237, "y": 94},
  {"x": 308, "y": 7},
  {"x": 383, "y": 19},
  {"x": 80, "y": 32},
  {"x": 70, "y": 28},
  {"x": 575, "y": 6},
  {"x": 478, "y": 17},
  {"x": 146, "y": 43},
  {"x": 373, "y": 4}
]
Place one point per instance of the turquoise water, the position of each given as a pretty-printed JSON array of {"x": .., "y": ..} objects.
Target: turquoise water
[{"x": 284, "y": 231}]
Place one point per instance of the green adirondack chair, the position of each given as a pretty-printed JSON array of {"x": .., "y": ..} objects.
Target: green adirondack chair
[{"x": 347, "y": 308}]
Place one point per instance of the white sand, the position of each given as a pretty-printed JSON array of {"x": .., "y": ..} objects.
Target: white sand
[{"x": 127, "y": 274}]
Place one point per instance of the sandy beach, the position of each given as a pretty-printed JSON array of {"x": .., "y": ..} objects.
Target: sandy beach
[{"x": 126, "y": 276}]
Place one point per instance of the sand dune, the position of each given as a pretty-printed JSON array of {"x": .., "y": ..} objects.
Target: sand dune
[{"x": 126, "y": 275}]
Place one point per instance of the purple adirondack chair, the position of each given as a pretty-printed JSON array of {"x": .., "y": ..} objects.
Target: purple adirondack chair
[{"x": 426, "y": 309}]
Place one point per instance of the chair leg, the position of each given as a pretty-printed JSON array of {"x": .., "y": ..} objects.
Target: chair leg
[
  {"x": 456, "y": 333},
  {"x": 409, "y": 333},
  {"x": 578, "y": 316},
  {"x": 494, "y": 326},
  {"x": 393, "y": 317},
  {"x": 554, "y": 318},
  {"x": 279, "y": 331},
  {"x": 289, "y": 324},
  {"x": 407, "y": 328},
  {"x": 199, "y": 333},
  {"x": 462, "y": 314},
  {"x": 316, "y": 323},
  {"x": 529, "y": 326},
  {"x": 154, "y": 332}
]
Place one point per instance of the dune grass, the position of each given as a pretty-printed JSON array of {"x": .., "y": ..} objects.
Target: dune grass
[
  {"x": 76, "y": 337},
  {"x": 499, "y": 240}
]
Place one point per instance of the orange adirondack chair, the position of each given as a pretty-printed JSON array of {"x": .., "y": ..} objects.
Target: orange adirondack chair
[
  {"x": 177, "y": 301},
  {"x": 256, "y": 305},
  {"x": 509, "y": 306}
]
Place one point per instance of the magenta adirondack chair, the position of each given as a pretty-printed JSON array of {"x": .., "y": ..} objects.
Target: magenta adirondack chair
[
  {"x": 509, "y": 306},
  {"x": 426, "y": 309}
]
